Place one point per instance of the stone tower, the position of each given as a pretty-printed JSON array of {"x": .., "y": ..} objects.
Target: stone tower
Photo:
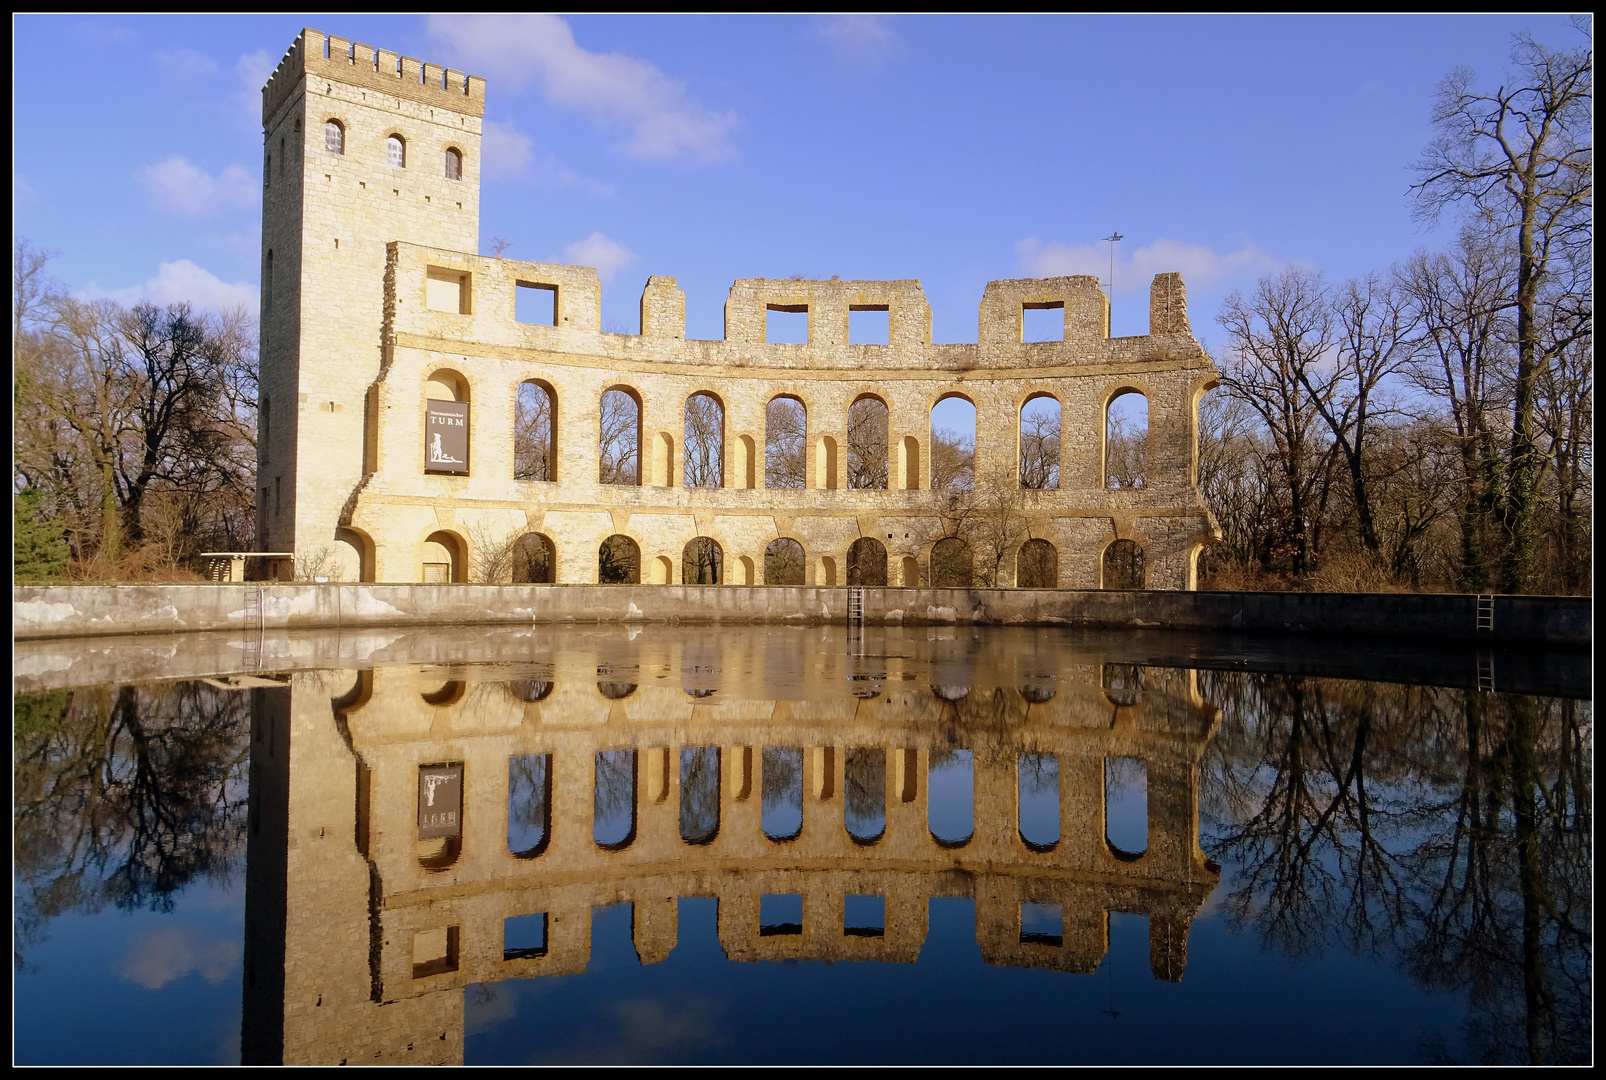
[{"x": 361, "y": 147}]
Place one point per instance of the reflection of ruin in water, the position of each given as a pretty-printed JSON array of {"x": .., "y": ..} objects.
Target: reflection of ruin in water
[{"x": 576, "y": 795}]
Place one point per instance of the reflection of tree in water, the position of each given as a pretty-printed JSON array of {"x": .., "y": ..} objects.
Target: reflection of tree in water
[
  {"x": 124, "y": 795},
  {"x": 782, "y": 770},
  {"x": 865, "y": 779},
  {"x": 614, "y": 803},
  {"x": 529, "y": 804},
  {"x": 1448, "y": 827},
  {"x": 699, "y": 794},
  {"x": 1039, "y": 774}
]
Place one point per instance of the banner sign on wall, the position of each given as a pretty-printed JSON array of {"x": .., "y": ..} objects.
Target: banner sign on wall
[
  {"x": 445, "y": 436},
  {"x": 440, "y": 801}
]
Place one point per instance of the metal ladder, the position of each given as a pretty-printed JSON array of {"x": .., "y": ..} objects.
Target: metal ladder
[
  {"x": 253, "y": 613},
  {"x": 1485, "y": 615},
  {"x": 855, "y": 605},
  {"x": 1486, "y": 672}
]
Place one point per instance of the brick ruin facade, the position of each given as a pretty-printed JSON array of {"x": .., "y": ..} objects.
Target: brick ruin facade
[{"x": 374, "y": 306}]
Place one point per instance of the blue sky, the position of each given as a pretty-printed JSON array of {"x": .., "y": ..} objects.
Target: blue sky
[{"x": 950, "y": 149}]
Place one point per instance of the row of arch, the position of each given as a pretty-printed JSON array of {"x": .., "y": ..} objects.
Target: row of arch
[
  {"x": 862, "y": 457},
  {"x": 779, "y": 783},
  {"x": 533, "y": 559}
]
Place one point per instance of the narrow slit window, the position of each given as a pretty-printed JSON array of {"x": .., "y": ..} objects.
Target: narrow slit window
[
  {"x": 396, "y": 152},
  {"x": 454, "y": 165},
  {"x": 334, "y": 137}
]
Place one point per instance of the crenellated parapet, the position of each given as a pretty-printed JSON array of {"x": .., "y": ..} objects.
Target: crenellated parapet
[{"x": 316, "y": 54}]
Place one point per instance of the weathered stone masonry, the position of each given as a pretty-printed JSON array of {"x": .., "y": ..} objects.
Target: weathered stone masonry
[{"x": 359, "y": 253}]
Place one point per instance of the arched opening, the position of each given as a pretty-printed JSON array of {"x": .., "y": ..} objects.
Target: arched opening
[
  {"x": 353, "y": 556},
  {"x": 535, "y": 560},
  {"x": 1123, "y": 566},
  {"x": 529, "y": 691},
  {"x": 953, "y": 443},
  {"x": 663, "y": 459},
  {"x": 1126, "y": 806},
  {"x": 910, "y": 575},
  {"x": 1039, "y": 815},
  {"x": 446, "y": 423},
  {"x": 746, "y": 463},
  {"x": 619, "y": 443},
  {"x": 535, "y": 432},
  {"x": 783, "y": 562},
  {"x": 619, "y": 561},
  {"x": 744, "y": 570},
  {"x": 1123, "y": 683},
  {"x": 612, "y": 689},
  {"x": 699, "y": 794},
  {"x": 825, "y": 573},
  {"x": 1040, "y": 442},
  {"x": 867, "y": 563},
  {"x": 454, "y": 164},
  {"x": 334, "y": 137},
  {"x": 442, "y": 559},
  {"x": 1126, "y": 440},
  {"x": 825, "y": 463},
  {"x": 663, "y": 570},
  {"x": 782, "y": 792},
  {"x": 529, "y": 804},
  {"x": 951, "y": 564},
  {"x": 785, "y": 443},
  {"x": 951, "y": 797},
  {"x": 864, "y": 810},
  {"x": 908, "y": 474},
  {"x": 613, "y": 820},
  {"x": 702, "y": 562},
  {"x": 1037, "y": 566},
  {"x": 867, "y": 444},
  {"x": 396, "y": 152},
  {"x": 704, "y": 442}
]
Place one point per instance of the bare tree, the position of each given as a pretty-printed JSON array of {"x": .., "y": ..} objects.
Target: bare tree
[
  {"x": 1520, "y": 156},
  {"x": 953, "y": 460},
  {"x": 534, "y": 446},
  {"x": 704, "y": 441},
  {"x": 1040, "y": 446},
  {"x": 867, "y": 444},
  {"x": 620, "y": 441},
  {"x": 1277, "y": 335},
  {"x": 785, "y": 443}
]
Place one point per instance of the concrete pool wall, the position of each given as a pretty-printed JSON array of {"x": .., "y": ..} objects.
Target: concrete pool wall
[{"x": 59, "y": 611}]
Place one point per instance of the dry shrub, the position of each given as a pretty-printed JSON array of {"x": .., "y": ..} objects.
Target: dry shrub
[{"x": 147, "y": 564}]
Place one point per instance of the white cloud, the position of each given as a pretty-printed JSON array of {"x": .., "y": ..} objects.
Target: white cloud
[
  {"x": 608, "y": 256},
  {"x": 164, "y": 956},
  {"x": 181, "y": 281},
  {"x": 253, "y": 70},
  {"x": 180, "y": 187},
  {"x": 509, "y": 153},
  {"x": 185, "y": 64},
  {"x": 663, "y": 119},
  {"x": 1199, "y": 266},
  {"x": 859, "y": 38}
]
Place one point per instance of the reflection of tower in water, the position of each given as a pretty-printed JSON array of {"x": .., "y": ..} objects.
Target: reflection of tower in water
[{"x": 625, "y": 787}]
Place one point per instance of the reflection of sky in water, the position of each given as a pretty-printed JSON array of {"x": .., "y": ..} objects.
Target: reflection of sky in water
[
  {"x": 783, "y": 791},
  {"x": 1040, "y": 799},
  {"x": 951, "y": 811},
  {"x": 1295, "y": 955}
]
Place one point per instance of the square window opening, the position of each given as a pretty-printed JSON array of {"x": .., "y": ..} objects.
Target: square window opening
[
  {"x": 447, "y": 290},
  {"x": 524, "y": 937},
  {"x": 434, "y": 951},
  {"x": 535, "y": 303},
  {"x": 869, "y": 325},
  {"x": 786, "y": 324},
  {"x": 1042, "y": 924},
  {"x": 864, "y": 916},
  {"x": 780, "y": 914},
  {"x": 1043, "y": 322}
]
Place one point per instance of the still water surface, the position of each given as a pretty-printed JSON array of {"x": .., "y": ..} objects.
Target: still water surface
[{"x": 787, "y": 845}]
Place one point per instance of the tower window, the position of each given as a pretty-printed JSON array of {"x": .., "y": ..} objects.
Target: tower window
[
  {"x": 396, "y": 152},
  {"x": 454, "y": 165},
  {"x": 334, "y": 137}
]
